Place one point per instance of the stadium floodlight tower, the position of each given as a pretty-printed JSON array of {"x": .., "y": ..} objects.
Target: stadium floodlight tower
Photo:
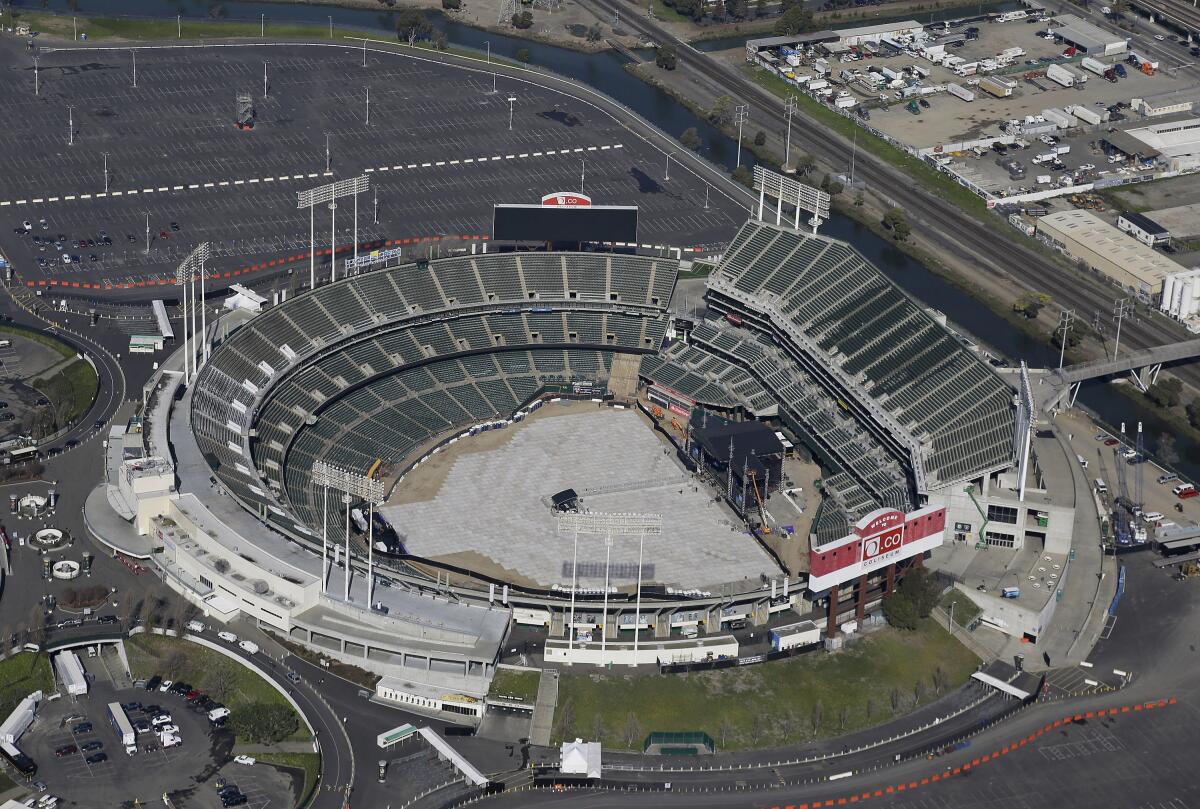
[
  {"x": 608, "y": 525},
  {"x": 782, "y": 188},
  {"x": 187, "y": 272},
  {"x": 351, "y": 485},
  {"x": 329, "y": 193}
]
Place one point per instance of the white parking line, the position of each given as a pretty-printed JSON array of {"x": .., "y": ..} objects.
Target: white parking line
[
  {"x": 314, "y": 174},
  {"x": 194, "y": 185},
  {"x": 209, "y": 185},
  {"x": 38, "y": 200},
  {"x": 224, "y": 182},
  {"x": 115, "y": 194},
  {"x": 238, "y": 182},
  {"x": 162, "y": 188},
  {"x": 147, "y": 190},
  {"x": 52, "y": 199}
]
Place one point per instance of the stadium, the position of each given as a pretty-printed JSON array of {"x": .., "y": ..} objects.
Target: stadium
[{"x": 401, "y": 451}]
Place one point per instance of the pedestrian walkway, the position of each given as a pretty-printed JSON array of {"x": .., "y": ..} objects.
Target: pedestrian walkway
[{"x": 543, "y": 709}]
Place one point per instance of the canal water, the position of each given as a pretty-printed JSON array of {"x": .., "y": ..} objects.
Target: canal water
[{"x": 604, "y": 71}]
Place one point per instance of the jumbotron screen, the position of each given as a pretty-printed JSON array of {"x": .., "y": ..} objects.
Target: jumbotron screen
[{"x": 563, "y": 223}]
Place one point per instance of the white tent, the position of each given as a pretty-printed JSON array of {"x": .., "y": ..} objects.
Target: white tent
[{"x": 581, "y": 758}]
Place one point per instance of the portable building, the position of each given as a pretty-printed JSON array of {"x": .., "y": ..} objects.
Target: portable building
[
  {"x": 789, "y": 636},
  {"x": 994, "y": 87}
]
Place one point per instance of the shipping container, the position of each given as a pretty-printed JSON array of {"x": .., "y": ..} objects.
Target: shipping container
[
  {"x": 1093, "y": 65},
  {"x": 993, "y": 87},
  {"x": 958, "y": 91},
  {"x": 1086, "y": 115}
]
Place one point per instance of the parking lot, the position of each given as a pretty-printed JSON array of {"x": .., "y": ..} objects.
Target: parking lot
[
  {"x": 438, "y": 150},
  {"x": 189, "y": 769}
]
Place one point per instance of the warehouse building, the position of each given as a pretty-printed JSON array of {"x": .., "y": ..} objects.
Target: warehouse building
[
  {"x": 1175, "y": 144},
  {"x": 1088, "y": 238},
  {"x": 876, "y": 33},
  {"x": 1089, "y": 38},
  {"x": 1180, "y": 102}
]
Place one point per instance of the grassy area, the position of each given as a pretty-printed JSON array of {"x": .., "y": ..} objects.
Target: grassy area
[
  {"x": 20, "y": 676},
  {"x": 811, "y": 696},
  {"x": 71, "y": 390},
  {"x": 39, "y": 337},
  {"x": 920, "y": 170},
  {"x": 181, "y": 660},
  {"x": 310, "y": 763},
  {"x": 664, "y": 12},
  {"x": 965, "y": 610},
  {"x": 6, "y": 783},
  {"x": 521, "y": 686}
]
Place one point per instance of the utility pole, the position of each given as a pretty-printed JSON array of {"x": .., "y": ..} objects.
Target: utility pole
[
  {"x": 790, "y": 108},
  {"x": 1064, "y": 323},
  {"x": 1120, "y": 312},
  {"x": 739, "y": 117}
]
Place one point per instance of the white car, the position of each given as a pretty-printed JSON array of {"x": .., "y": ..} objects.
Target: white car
[
  {"x": 228, "y": 637},
  {"x": 1159, "y": 37},
  {"x": 165, "y": 684},
  {"x": 1088, "y": 167},
  {"x": 244, "y": 759},
  {"x": 160, "y": 720},
  {"x": 195, "y": 626},
  {"x": 168, "y": 730}
]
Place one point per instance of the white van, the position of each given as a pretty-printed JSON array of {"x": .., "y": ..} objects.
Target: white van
[
  {"x": 1152, "y": 516},
  {"x": 249, "y": 646},
  {"x": 1101, "y": 486},
  {"x": 1082, "y": 461},
  {"x": 217, "y": 713},
  {"x": 228, "y": 637},
  {"x": 195, "y": 626}
]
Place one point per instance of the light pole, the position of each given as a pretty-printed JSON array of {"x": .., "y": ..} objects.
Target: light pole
[
  {"x": 36, "y": 88},
  {"x": 489, "y": 61},
  {"x": 265, "y": 63},
  {"x": 147, "y": 232},
  {"x": 262, "y": 25},
  {"x": 326, "y": 152},
  {"x": 75, "y": 27},
  {"x": 582, "y": 173},
  {"x": 667, "y": 171},
  {"x": 1064, "y": 323},
  {"x": 70, "y": 125},
  {"x": 364, "y": 52},
  {"x": 331, "y": 27},
  {"x": 134, "y": 52},
  {"x": 706, "y": 190},
  {"x": 790, "y": 107},
  {"x": 179, "y": 26},
  {"x": 368, "y": 106},
  {"x": 105, "y": 171},
  {"x": 739, "y": 116},
  {"x": 511, "y": 100},
  {"x": 375, "y": 207}
]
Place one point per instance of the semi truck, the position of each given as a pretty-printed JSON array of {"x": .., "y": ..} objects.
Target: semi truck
[
  {"x": 958, "y": 91},
  {"x": 1057, "y": 74},
  {"x": 1093, "y": 65},
  {"x": 120, "y": 724}
]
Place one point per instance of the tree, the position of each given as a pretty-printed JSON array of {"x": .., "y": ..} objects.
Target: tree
[
  {"x": 796, "y": 20},
  {"x": 900, "y": 611},
  {"x": 1166, "y": 392},
  {"x": 523, "y": 20},
  {"x": 831, "y": 186},
  {"x": 721, "y": 112},
  {"x": 919, "y": 690},
  {"x": 757, "y": 727},
  {"x": 598, "y": 727},
  {"x": 843, "y": 717},
  {"x": 1193, "y": 412},
  {"x": 859, "y": 198},
  {"x": 221, "y": 679},
  {"x": 523, "y": 56},
  {"x": 1030, "y": 304},
  {"x": 264, "y": 722},
  {"x": 896, "y": 698},
  {"x": 1166, "y": 452},
  {"x": 633, "y": 730},
  {"x": 665, "y": 57},
  {"x": 921, "y": 588},
  {"x": 736, "y": 9},
  {"x": 724, "y": 729},
  {"x": 817, "y": 711},
  {"x": 805, "y": 163},
  {"x": 895, "y": 221},
  {"x": 174, "y": 663},
  {"x": 691, "y": 139},
  {"x": 411, "y": 25},
  {"x": 760, "y": 138},
  {"x": 744, "y": 176},
  {"x": 440, "y": 40},
  {"x": 939, "y": 680},
  {"x": 452, "y": 5},
  {"x": 594, "y": 33},
  {"x": 760, "y": 8}
]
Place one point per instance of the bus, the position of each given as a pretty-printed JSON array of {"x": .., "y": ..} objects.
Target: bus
[
  {"x": 21, "y": 762},
  {"x": 22, "y": 454},
  {"x": 120, "y": 723}
]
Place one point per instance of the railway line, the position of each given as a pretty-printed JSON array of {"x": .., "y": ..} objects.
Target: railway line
[{"x": 944, "y": 226}]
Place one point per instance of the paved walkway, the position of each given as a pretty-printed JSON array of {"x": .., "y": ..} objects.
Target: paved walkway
[
  {"x": 543, "y": 709},
  {"x": 282, "y": 747}
]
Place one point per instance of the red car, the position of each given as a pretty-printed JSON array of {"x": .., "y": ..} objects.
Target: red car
[
  {"x": 69, "y": 750},
  {"x": 1112, "y": 442},
  {"x": 193, "y": 694},
  {"x": 162, "y": 234}
]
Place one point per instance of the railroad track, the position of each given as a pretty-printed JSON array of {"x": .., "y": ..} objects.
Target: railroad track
[{"x": 938, "y": 222}]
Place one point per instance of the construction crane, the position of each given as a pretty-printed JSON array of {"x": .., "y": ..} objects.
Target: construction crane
[{"x": 762, "y": 512}]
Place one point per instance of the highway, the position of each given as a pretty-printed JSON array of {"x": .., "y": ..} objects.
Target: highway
[{"x": 936, "y": 222}]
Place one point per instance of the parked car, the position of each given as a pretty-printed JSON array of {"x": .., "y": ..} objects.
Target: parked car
[
  {"x": 97, "y": 758},
  {"x": 92, "y": 746},
  {"x": 66, "y": 750},
  {"x": 82, "y": 728},
  {"x": 153, "y": 683},
  {"x": 228, "y": 637},
  {"x": 244, "y": 759}
]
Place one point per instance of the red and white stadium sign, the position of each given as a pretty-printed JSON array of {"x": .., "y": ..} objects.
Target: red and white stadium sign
[
  {"x": 566, "y": 199},
  {"x": 880, "y": 538}
]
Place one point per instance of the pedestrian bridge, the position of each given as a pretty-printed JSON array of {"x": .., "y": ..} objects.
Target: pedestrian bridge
[{"x": 1060, "y": 387}]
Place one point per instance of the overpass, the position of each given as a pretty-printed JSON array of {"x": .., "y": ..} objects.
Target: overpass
[
  {"x": 1182, "y": 14},
  {"x": 1062, "y": 386}
]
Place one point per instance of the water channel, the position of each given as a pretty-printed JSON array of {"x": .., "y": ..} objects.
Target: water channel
[{"x": 604, "y": 71}]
